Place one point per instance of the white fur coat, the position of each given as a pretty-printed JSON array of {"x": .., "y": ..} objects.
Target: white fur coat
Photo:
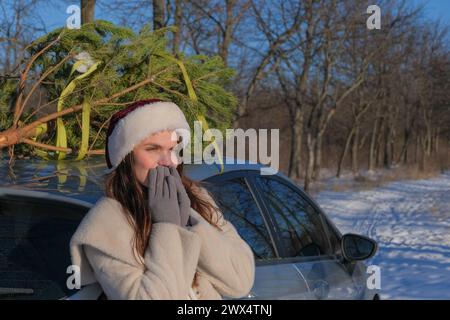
[{"x": 102, "y": 248}]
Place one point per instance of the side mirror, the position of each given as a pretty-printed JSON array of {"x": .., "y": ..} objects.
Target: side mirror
[{"x": 356, "y": 247}]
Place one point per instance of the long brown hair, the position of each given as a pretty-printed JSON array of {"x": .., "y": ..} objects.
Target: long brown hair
[{"x": 123, "y": 186}]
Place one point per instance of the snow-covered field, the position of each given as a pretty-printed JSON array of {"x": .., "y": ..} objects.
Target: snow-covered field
[{"x": 411, "y": 222}]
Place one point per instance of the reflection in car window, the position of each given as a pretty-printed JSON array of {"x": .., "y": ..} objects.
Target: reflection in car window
[
  {"x": 34, "y": 249},
  {"x": 238, "y": 206},
  {"x": 300, "y": 229}
]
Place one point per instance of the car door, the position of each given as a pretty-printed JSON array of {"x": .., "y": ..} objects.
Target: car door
[
  {"x": 274, "y": 279},
  {"x": 34, "y": 245},
  {"x": 307, "y": 241}
]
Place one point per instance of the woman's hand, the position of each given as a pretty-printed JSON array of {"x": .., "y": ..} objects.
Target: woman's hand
[
  {"x": 163, "y": 197},
  {"x": 183, "y": 198}
]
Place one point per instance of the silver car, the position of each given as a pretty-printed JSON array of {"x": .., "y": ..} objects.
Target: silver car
[{"x": 299, "y": 253}]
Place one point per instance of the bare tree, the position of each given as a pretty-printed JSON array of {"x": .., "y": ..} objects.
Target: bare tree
[
  {"x": 179, "y": 24},
  {"x": 87, "y": 11},
  {"x": 19, "y": 24},
  {"x": 274, "y": 43},
  {"x": 158, "y": 14}
]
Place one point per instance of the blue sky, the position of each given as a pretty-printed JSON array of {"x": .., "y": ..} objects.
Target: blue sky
[{"x": 437, "y": 9}]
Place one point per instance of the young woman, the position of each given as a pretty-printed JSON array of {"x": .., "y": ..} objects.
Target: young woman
[{"x": 156, "y": 234}]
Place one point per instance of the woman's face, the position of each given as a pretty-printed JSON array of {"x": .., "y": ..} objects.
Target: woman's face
[{"x": 156, "y": 150}]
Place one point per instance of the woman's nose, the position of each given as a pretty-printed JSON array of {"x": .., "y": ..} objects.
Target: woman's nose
[{"x": 165, "y": 159}]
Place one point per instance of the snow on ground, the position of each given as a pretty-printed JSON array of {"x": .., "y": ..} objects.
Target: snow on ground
[{"x": 411, "y": 222}]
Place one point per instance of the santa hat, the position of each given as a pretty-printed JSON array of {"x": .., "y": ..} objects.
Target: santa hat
[{"x": 129, "y": 126}]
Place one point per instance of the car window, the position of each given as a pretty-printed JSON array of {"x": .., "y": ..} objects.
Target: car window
[
  {"x": 299, "y": 225},
  {"x": 239, "y": 207},
  {"x": 335, "y": 239},
  {"x": 34, "y": 248}
]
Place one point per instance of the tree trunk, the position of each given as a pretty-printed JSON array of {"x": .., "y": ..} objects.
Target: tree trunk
[
  {"x": 317, "y": 157},
  {"x": 7, "y": 65},
  {"x": 428, "y": 140},
  {"x": 355, "y": 148},
  {"x": 387, "y": 159},
  {"x": 373, "y": 140},
  {"x": 381, "y": 133},
  {"x": 433, "y": 142},
  {"x": 296, "y": 145},
  {"x": 158, "y": 14},
  {"x": 344, "y": 152},
  {"x": 310, "y": 144},
  {"x": 229, "y": 24},
  {"x": 178, "y": 23},
  {"x": 403, "y": 157},
  {"x": 417, "y": 149},
  {"x": 87, "y": 11},
  {"x": 436, "y": 142},
  {"x": 423, "y": 150}
]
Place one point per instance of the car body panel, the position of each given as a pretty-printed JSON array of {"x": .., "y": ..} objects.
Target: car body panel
[
  {"x": 278, "y": 281},
  {"x": 328, "y": 279}
]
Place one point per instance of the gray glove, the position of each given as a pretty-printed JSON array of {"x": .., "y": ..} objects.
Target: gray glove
[
  {"x": 162, "y": 196},
  {"x": 183, "y": 198}
]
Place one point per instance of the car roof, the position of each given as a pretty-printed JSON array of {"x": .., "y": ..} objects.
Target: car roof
[
  {"x": 201, "y": 170},
  {"x": 84, "y": 180}
]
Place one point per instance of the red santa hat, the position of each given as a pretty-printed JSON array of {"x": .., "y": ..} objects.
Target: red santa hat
[{"x": 129, "y": 126}]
